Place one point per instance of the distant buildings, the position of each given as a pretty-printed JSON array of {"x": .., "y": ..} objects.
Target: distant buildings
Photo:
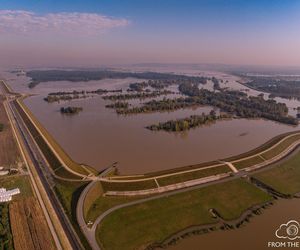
[{"x": 6, "y": 195}]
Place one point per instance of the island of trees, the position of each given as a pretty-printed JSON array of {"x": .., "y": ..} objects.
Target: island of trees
[
  {"x": 71, "y": 95},
  {"x": 39, "y": 76},
  {"x": 138, "y": 95},
  {"x": 286, "y": 88},
  {"x": 235, "y": 103},
  {"x": 70, "y": 110},
  {"x": 189, "y": 122},
  {"x": 118, "y": 105}
]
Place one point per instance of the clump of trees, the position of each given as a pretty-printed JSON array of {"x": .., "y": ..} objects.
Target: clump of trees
[
  {"x": 236, "y": 103},
  {"x": 70, "y": 95},
  {"x": 39, "y": 76},
  {"x": 239, "y": 104},
  {"x": 6, "y": 241},
  {"x": 1, "y": 127},
  {"x": 139, "y": 95},
  {"x": 159, "y": 105},
  {"x": 189, "y": 122},
  {"x": 286, "y": 88},
  {"x": 163, "y": 83},
  {"x": 70, "y": 110},
  {"x": 118, "y": 105}
]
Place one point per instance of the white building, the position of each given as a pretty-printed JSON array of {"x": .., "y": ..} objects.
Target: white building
[{"x": 6, "y": 195}]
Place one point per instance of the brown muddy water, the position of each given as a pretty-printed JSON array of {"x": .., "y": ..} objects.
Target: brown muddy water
[
  {"x": 254, "y": 235},
  {"x": 98, "y": 136}
]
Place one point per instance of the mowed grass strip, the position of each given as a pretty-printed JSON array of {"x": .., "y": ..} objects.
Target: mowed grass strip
[
  {"x": 91, "y": 197},
  {"x": 62, "y": 172},
  {"x": 193, "y": 175},
  {"x": 139, "y": 225},
  {"x": 248, "y": 162},
  {"x": 103, "y": 203},
  {"x": 68, "y": 194},
  {"x": 128, "y": 186},
  {"x": 285, "y": 177},
  {"x": 281, "y": 147}
]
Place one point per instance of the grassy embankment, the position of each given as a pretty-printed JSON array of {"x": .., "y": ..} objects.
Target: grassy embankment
[
  {"x": 193, "y": 175},
  {"x": 128, "y": 186},
  {"x": 180, "y": 177},
  {"x": 68, "y": 194},
  {"x": 153, "y": 221},
  {"x": 284, "y": 178},
  {"x": 268, "y": 154}
]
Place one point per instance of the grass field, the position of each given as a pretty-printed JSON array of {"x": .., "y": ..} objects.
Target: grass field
[
  {"x": 193, "y": 175},
  {"x": 285, "y": 177},
  {"x": 137, "y": 226},
  {"x": 128, "y": 186},
  {"x": 103, "y": 203},
  {"x": 21, "y": 182}
]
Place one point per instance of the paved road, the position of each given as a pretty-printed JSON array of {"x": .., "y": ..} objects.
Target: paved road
[
  {"x": 89, "y": 234},
  {"x": 38, "y": 161}
]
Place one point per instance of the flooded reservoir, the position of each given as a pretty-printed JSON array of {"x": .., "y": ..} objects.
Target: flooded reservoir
[{"x": 98, "y": 136}]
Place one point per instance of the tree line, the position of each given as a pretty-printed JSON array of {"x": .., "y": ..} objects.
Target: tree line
[
  {"x": 70, "y": 110},
  {"x": 236, "y": 103},
  {"x": 189, "y": 122}
]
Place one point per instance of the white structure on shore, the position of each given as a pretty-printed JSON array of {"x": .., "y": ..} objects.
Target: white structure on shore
[
  {"x": 3, "y": 172},
  {"x": 6, "y": 195}
]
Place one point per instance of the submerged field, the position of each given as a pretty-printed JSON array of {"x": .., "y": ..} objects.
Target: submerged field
[{"x": 139, "y": 225}]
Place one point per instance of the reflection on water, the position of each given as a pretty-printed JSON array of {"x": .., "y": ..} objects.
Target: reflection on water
[
  {"x": 98, "y": 136},
  {"x": 255, "y": 235}
]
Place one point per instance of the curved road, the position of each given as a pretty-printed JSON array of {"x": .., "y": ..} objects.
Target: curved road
[{"x": 91, "y": 232}]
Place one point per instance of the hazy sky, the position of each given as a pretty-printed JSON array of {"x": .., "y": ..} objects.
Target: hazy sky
[{"x": 100, "y": 32}]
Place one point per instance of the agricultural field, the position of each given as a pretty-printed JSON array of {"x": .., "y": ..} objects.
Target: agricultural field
[
  {"x": 139, "y": 225},
  {"x": 9, "y": 152},
  {"x": 28, "y": 226}
]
